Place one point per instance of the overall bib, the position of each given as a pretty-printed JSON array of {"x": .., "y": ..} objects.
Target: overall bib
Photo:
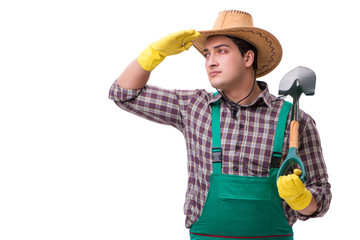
[{"x": 242, "y": 207}]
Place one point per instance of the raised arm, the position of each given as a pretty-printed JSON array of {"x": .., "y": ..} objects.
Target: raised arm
[{"x": 136, "y": 75}]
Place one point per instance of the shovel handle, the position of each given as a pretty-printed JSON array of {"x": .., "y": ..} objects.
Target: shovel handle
[
  {"x": 294, "y": 134},
  {"x": 291, "y": 160}
]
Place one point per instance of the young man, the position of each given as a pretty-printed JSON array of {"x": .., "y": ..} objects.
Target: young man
[{"x": 232, "y": 137}]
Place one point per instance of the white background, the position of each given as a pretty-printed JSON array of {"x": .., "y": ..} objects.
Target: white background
[{"x": 74, "y": 166}]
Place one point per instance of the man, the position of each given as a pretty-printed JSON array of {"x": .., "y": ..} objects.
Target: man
[{"x": 230, "y": 136}]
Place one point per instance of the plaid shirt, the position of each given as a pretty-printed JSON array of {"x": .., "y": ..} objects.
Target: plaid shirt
[{"x": 247, "y": 139}]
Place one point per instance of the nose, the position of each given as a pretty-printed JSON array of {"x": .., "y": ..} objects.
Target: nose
[{"x": 211, "y": 62}]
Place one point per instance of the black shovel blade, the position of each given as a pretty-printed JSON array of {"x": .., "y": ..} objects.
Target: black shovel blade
[{"x": 297, "y": 81}]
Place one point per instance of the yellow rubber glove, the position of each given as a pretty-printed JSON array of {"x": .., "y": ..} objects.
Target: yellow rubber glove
[
  {"x": 293, "y": 191},
  {"x": 172, "y": 44}
]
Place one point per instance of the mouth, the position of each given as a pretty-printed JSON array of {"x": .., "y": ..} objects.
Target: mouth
[{"x": 214, "y": 73}]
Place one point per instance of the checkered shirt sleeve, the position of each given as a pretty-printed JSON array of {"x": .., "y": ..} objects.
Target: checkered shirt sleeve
[{"x": 152, "y": 103}]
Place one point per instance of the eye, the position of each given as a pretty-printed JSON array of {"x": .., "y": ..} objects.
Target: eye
[
  {"x": 206, "y": 54},
  {"x": 222, "y": 50}
]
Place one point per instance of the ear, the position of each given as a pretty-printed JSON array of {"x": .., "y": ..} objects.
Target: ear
[{"x": 249, "y": 58}]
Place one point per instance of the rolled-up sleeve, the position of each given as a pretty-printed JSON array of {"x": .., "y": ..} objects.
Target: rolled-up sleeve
[{"x": 119, "y": 94}]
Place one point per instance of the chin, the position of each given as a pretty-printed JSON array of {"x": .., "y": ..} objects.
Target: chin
[{"x": 217, "y": 84}]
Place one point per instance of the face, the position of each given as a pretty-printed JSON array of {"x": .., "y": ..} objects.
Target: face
[{"x": 224, "y": 64}]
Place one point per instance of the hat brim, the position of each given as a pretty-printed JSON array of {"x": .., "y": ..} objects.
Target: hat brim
[{"x": 268, "y": 47}]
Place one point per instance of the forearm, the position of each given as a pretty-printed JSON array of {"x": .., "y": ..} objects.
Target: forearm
[
  {"x": 133, "y": 77},
  {"x": 310, "y": 209}
]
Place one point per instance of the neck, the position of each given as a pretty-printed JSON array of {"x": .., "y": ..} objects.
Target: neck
[{"x": 245, "y": 93}]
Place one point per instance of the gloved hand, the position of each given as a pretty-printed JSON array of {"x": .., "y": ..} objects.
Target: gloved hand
[
  {"x": 293, "y": 191},
  {"x": 172, "y": 44}
]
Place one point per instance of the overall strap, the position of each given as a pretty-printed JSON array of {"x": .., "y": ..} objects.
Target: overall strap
[
  {"x": 279, "y": 135},
  {"x": 216, "y": 137}
]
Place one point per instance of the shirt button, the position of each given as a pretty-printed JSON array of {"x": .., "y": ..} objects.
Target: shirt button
[
  {"x": 241, "y": 125},
  {"x": 237, "y": 147},
  {"x": 235, "y": 169}
]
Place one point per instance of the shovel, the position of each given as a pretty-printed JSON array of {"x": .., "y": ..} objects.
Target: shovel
[{"x": 294, "y": 83}]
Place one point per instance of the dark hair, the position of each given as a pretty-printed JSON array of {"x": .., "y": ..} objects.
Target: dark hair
[{"x": 245, "y": 46}]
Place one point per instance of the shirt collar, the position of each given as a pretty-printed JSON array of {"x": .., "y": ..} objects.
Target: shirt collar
[{"x": 264, "y": 97}]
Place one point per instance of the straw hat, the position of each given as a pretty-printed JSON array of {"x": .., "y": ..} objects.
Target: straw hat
[{"x": 240, "y": 24}]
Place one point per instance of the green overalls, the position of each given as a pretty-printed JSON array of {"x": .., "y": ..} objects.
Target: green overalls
[{"x": 241, "y": 207}]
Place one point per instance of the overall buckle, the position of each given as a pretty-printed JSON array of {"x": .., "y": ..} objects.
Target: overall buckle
[
  {"x": 275, "y": 160},
  {"x": 216, "y": 155}
]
